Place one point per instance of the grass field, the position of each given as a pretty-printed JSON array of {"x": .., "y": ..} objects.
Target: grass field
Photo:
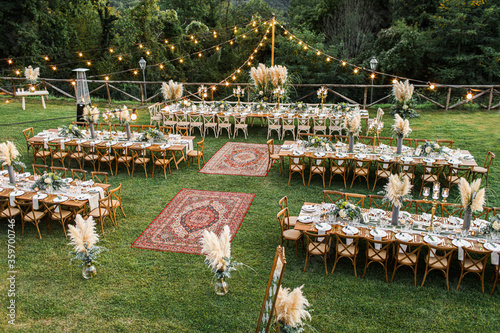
[{"x": 145, "y": 291}]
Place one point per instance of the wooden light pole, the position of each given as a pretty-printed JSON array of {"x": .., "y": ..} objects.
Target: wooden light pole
[{"x": 272, "y": 40}]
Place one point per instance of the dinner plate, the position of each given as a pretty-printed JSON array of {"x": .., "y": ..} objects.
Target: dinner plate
[
  {"x": 309, "y": 208},
  {"x": 461, "y": 243},
  {"x": 350, "y": 230},
  {"x": 93, "y": 190},
  {"x": 83, "y": 197},
  {"x": 404, "y": 236},
  {"x": 40, "y": 196},
  {"x": 378, "y": 233},
  {"x": 360, "y": 156},
  {"x": 341, "y": 155},
  {"x": 297, "y": 153},
  {"x": 407, "y": 159},
  {"x": 492, "y": 247},
  {"x": 17, "y": 193},
  {"x": 317, "y": 154},
  {"x": 405, "y": 215},
  {"x": 428, "y": 160},
  {"x": 377, "y": 211},
  {"x": 60, "y": 199},
  {"x": 305, "y": 219},
  {"x": 433, "y": 239},
  {"x": 165, "y": 146},
  {"x": 286, "y": 147}
]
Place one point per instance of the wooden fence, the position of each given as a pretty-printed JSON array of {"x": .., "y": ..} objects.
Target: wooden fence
[{"x": 484, "y": 95}]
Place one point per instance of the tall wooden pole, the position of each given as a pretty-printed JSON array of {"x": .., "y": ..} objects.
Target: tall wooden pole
[{"x": 272, "y": 41}]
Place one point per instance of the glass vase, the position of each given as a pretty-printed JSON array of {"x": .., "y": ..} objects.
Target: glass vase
[
  {"x": 220, "y": 287},
  {"x": 88, "y": 271}
]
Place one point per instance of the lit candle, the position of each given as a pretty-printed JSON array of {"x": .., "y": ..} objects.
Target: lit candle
[
  {"x": 445, "y": 192},
  {"x": 436, "y": 186},
  {"x": 435, "y": 194},
  {"x": 426, "y": 192}
]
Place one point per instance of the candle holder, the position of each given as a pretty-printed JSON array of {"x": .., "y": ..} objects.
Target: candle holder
[
  {"x": 202, "y": 92},
  {"x": 322, "y": 93},
  {"x": 436, "y": 191},
  {"x": 238, "y": 92},
  {"x": 279, "y": 93}
]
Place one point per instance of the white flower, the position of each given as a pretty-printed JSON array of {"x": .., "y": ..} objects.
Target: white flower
[
  {"x": 428, "y": 150},
  {"x": 436, "y": 146},
  {"x": 496, "y": 225},
  {"x": 261, "y": 93},
  {"x": 48, "y": 180},
  {"x": 405, "y": 107},
  {"x": 343, "y": 213}
]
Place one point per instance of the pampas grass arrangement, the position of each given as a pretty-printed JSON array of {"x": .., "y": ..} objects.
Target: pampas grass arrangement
[
  {"x": 217, "y": 251},
  {"x": 472, "y": 197},
  {"x": 397, "y": 188},
  {"x": 31, "y": 74},
  {"x": 291, "y": 309},
  {"x": 83, "y": 239},
  {"x": 91, "y": 114},
  {"x": 124, "y": 115},
  {"x": 403, "y": 91},
  {"x": 401, "y": 126},
  {"x": 8, "y": 153},
  {"x": 172, "y": 90},
  {"x": 352, "y": 123}
]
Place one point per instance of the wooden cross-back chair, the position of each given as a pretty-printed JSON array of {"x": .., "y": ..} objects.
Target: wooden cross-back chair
[{"x": 317, "y": 245}]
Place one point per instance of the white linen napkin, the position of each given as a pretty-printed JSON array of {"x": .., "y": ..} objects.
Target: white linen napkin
[
  {"x": 433, "y": 240},
  {"x": 460, "y": 243},
  {"x": 322, "y": 228},
  {"x": 378, "y": 234},
  {"x": 11, "y": 199},
  {"x": 46, "y": 143},
  {"x": 405, "y": 237},
  {"x": 349, "y": 231},
  {"x": 495, "y": 248},
  {"x": 93, "y": 201}
]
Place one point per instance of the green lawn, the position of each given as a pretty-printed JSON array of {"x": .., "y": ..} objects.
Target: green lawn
[{"x": 142, "y": 290}]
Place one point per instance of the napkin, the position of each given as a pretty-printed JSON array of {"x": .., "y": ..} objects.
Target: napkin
[
  {"x": 349, "y": 231},
  {"x": 495, "y": 248},
  {"x": 378, "y": 234},
  {"x": 46, "y": 143},
  {"x": 93, "y": 201},
  {"x": 460, "y": 243},
  {"x": 12, "y": 197},
  {"x": 4, "y": 172},
  {"x": 24, "y": 175},
  {"x": 405, "y": 237},
  {"x": 100, "y": 191},
  {"x": 35, "y": 199},
  {"x": 434, "y": 241},
  {"x": 322, "y": 228}
]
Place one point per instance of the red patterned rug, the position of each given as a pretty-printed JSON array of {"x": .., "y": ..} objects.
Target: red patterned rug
[
  {"x": 179, "y": 227},
  {"x": 239, "y": 159}
]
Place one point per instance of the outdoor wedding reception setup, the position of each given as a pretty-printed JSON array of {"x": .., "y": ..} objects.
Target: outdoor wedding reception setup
[{"x": 241, "y": 167}]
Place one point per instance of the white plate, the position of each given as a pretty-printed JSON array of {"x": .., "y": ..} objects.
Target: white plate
[
  {"x": 40, "y": 196},
  {"x": 83, "y": 197},
  {"x": 285, "y": 147},
  {"x": 360, "y": 156},
  {"x": 377, "y": 211},
  {"x": 460, "y": 243},
  {"x": 340, "y": 155},
  {"x": 433, "y": 239},
  {"x": 60, "y": 199},
  {"x": 492, "y": 247},
  {"x": 428, "y": 160},
  {"x": 93, "y": 190},
  {"x": 298, "y": 153},
  {"x": 309, "y": 208},
  {"x": 17, "y": 193},
  {"x": 378, "y": 233},
  {"x": 305, "y": 219},
  {"x": 317, "y": 154}
]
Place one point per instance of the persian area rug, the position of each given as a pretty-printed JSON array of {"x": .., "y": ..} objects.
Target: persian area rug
[
  {"x": 180, "y": 225},
  {"x": 239, "y": 159}
]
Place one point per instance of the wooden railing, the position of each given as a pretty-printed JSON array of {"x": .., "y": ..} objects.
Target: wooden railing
[{"x": 484, "y": 95}]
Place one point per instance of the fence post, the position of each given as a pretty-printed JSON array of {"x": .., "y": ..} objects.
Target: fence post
[
  {"x": 365, "y": 97},
  {"x": 45, "y": 87},
  {"x": 448, "y": 99},
  {"x": 109, "y": 95},
  {"x": 13, "y": 88},
  {"x": 491, "y": 99}
]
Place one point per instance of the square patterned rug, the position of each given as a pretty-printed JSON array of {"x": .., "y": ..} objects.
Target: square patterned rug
[
  {"x": 180, "y": 225},
  {"x": 239, "y": 159}
]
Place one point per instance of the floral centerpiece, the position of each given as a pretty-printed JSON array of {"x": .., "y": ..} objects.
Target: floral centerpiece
[
  {"x": 291, "y": 309},
  {"x": 71, "y": 130},
  {"x": 261, "y": 107},
  {"x": 344, "y": 107},
  {"x": 472, "y": 199},
  {"x": 429, "y": 147},
  {"x": 83, "y": 238},
  {"x": 186, "y": 104},
  {"x": 492, "y": 228},
  {"x": 91, "y": 116},
  {"x": 352, "y": 124},
  {"x": 217, "y": 251},
  {"x": 316, "y": 141},
  {"x": 9, "y": 156},
  {"x": 396, "y": 190},
  {"x": 171, "y": 90},
  {"x": 347, "y": 210},
  {"x": 152, "y": 134},
  {"x": 299, "y": 106},
  {"x": 403, "y": 93},
  {"x": 50, "y": 181},
  {"x": 222, "y": 106},
  {"x": 31, "y": 74},
  {"x": 401, "y": 129}
]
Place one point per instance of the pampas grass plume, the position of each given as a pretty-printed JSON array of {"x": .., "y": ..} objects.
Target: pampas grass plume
[
  {"x": 82, "y": 233},
  {"x": 290, "y": 306},
  {"x": 216, "y": 249}
]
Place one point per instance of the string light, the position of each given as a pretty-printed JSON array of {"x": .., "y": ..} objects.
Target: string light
[
  {"x": 181, "y": 60},
  {"x": 305, "y": 47},
  {"x": 196, "y": 41},
  {"x": 73, "y": 83},
  {"x": 161, "y": 66},
  {"x": 213, "y": 88},
  {"x": 18, "y": 72},
  {"x": 234, "y": 77},
  {"x": 89, "y": 63},
  {"x": 344, "y": 63},
  {"x": 166, "y": 41},
  {"x": 192, "y": 37},
  {"x": 46, "y": 58},
  {"x": 394, "y": 80},
  {"x": 106, "y": 78},
  {"x": 432, "y": 86},
  {"x": 318, "y": 53},
  {"x": 356, "y": 71},
  {"x": 199, "y": 54},
  {"x": 141, "y": 46},
  {"x": 469, "y": 95},
  {"x": 111, "y": 50},
  {"x": 9, "y": 61},
  {"x": 54, "y": 68},
  {"x": 328, "y": 59},
  {"x": 227, "y": 83},
  {"x": 133, "y": 116},
  {"x": 172, "y": 47},
  {"x": 120, "y": 58},
  {"x": 80, "y": 54},
  {"x": 135, "y": 72},
  {"x": 231, "y": 42},
  {"x": 217, "y": 48},
  {"x": 244, "y": 36},
  {"x": 372, "y": 76}
]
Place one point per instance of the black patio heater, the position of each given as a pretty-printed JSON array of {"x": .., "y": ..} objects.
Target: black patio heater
[{"x": 82, "y": 92}]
